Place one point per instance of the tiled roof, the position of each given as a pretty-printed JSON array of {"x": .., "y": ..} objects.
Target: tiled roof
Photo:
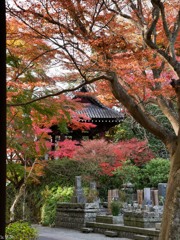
[
  {"x": 94, "y": 109},
  {"x": 96, "y": 112}
]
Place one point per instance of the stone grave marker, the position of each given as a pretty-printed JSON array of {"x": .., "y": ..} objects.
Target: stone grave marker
[
  {"x": 93, "y": 196},
  {"x": 112, "y": 194},
  {"x": 156, "y": 199},
  {"x": 140, "y": 197},
  {"x": 147, "y": 196},
  {"x": 162, "y": 191},
  {"x": 78, "y": 192},
  {"x": 93, "y": 185}
]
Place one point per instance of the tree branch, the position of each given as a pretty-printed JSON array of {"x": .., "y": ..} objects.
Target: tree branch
[
  {"x": 61, "y": 92},
  {"x": 141, "y": 117}
]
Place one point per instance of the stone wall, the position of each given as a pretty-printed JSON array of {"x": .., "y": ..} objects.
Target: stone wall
[
  {"x": 110, "y": 219},
  {"x": 123, "y": 231},
  {"x": 75, "y": 215},
  {"x": 141, "y": 219}
]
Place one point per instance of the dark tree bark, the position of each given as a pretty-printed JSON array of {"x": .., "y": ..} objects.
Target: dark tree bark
[{"x": 3, "y": 119}]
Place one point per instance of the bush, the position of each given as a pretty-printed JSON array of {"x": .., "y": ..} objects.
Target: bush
[
  {"x": 116, "y": 206},
  {"x": 20, "y": 231},
  {"x": 128, "y": 173},
  {"x": 51, "y": 197},
  {"x": 155, "y": 171},
  {"x": 61, "y": 172}
]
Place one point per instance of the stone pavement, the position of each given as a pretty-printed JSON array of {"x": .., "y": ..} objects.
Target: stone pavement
[{"x": 47, "y": 233}]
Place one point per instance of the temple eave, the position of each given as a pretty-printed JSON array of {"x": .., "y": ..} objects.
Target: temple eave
[{"x": 102, "y": 120}]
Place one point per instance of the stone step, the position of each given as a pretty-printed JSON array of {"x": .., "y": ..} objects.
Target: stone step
[
  {"x": 141, "y": 237},
  {"x": 86, "y": 230},
  {"x": 111, "y": 233}
]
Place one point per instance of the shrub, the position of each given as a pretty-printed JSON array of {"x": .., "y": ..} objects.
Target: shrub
[
  {"x": 116, "y": 206},
  {"x": 51, "y": 197},
  {"x": 61, "y": 172},
  {"x": 155, "y": 171},
  {"x": 20, "y": 231},
  {"x": 128, "y": 173}
]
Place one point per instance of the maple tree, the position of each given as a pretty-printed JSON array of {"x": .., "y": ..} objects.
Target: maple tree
[
  {"x": 102, "y": 157},
  {"x": 28, "y": 127},
  {"x": 128, "y": 48}
]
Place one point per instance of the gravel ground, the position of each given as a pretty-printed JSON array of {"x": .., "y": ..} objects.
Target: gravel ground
[{"x": 47, "y": 233}]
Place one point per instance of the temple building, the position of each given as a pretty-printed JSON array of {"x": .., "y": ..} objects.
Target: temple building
[{"x": 103, "y": 117}]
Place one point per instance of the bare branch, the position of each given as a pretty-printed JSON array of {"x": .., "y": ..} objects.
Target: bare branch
[
  {"x": 31, "y": 62},
  {"x": 102, "y": 77},
  {"x": 148, "y": 40}
]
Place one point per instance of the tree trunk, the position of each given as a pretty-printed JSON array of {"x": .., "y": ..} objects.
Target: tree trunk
[
  {"x": 16, "y": 200},
  {"x": 170, "y": 229},
  {"x": 19, "y": 194}
]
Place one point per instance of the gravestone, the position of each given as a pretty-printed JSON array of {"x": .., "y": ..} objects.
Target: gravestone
[
  {"x": 93, "y": 185},
  {"x": 93, "y": 196},
  {"x": 152, "y": 197},
  {"x": 162, "y": 192},
  {"x": 140, "y": 197},
  {"x": 147, "y": 196},
  {"x": 112, "y": 194},
  {"x": 78, "y": 191},
  {"x": 93, "y": 192},
  {"x": 156, "y": 199}
]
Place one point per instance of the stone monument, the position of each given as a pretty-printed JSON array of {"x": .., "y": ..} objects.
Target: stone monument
[
  {"x": 76, "y": 213},
  {"x": 112, "y": 194},
  {"x": 162, "y": 192},
  {"x": 140, "y": 197},
  {"x": 147, "y": 196},
  {"x": 156, "y": 199},
  {"x": 78, "y": 191}
]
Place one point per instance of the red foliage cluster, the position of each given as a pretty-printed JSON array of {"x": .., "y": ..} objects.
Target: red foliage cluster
[
  {"x": 136, "y": 151},
  {"x": 104, "y": 155},
  {"x": 67, "y": 148}
]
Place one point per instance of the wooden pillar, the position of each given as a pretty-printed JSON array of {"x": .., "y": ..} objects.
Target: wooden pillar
[{"x": 53, "y": 142}]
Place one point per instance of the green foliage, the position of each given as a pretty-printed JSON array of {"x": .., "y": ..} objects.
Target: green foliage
[
  {"x": 57, "y": 173},
  {"x": 13, "y": 60},
  {"x": 116, "y": 206},
  {"x": 122, "y": 196},
  {"x": 20, "y": 231},
  {"x": 156, "y": 171},
  {"x": 62, "y": 172},
  {"x": 91, "y": 195},
  {"x": 128, "y": 172},
  {"x": 15, "y": 172},
  {"x": 51, "y": 197},
  {"x": 105, "y": 183},
  {"x": 123, "y": 131}
]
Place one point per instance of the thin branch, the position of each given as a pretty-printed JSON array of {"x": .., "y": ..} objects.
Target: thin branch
[
  {"x": 31, "y": 62},
  {"x": 61, "y": 92}
]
